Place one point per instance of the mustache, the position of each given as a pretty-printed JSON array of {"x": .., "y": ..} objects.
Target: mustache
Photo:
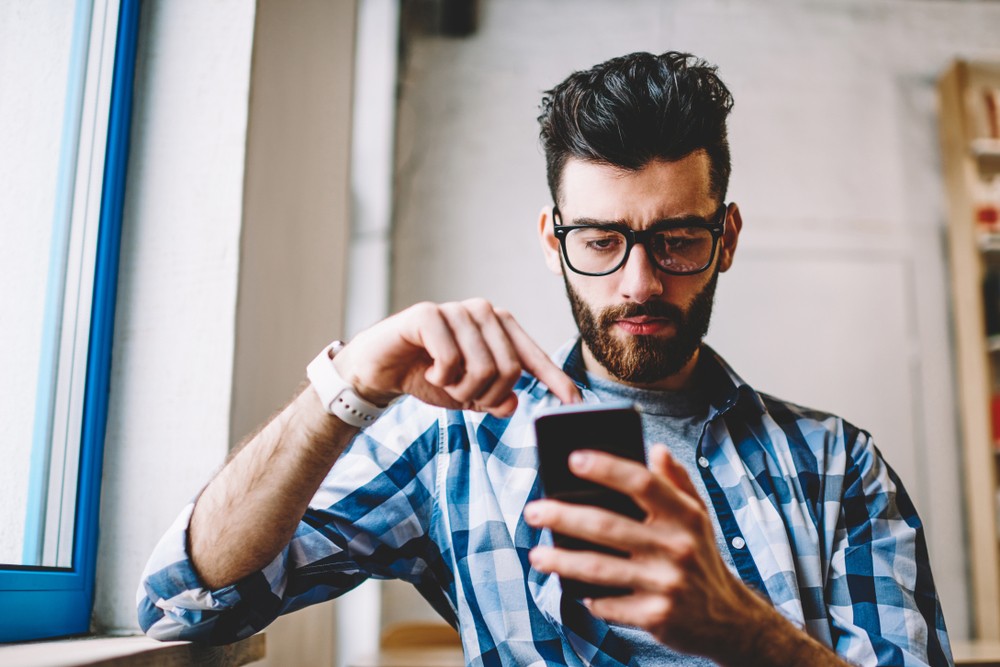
[{"x": 656, "y": 309}]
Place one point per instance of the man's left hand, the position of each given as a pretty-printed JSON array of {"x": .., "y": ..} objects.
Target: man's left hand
[{"x": 682, "y": 591}]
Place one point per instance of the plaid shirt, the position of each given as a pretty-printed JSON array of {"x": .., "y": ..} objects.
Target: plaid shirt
[{"x": 814, "y": 518}]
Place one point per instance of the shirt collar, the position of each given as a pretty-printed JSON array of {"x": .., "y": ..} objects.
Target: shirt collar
[{"x": 723, "y": 387}]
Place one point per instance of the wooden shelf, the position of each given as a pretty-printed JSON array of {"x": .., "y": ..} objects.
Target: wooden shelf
[
  {"x": 989, "y": 243},
  {"x": 969, "y": 162},
  {"x": 982, "y": 653},
  {"x": 131, "y": 652},
  {"x": 986, "y": 153}
]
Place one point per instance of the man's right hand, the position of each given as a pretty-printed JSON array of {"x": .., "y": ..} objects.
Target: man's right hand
[
  {"x": 455, "y": 355},
  {"x": 459, "y": 355}
]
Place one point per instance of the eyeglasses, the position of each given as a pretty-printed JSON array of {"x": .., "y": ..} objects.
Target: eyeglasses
[{"x": 680, "y": 248}]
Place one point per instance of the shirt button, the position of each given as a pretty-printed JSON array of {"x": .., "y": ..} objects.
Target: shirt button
[
  {"x": 738, "y": 543},
  {"x": 702, "y": 461}
]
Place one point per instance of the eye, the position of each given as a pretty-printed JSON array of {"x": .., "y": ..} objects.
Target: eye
[
  {"x": 603, "y": 243},
  {"x": 599, "y": 240},
  {"x": 681, "y": 241}
]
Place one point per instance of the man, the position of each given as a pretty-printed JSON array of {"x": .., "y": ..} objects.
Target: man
[{"x": 773, "y": 533}]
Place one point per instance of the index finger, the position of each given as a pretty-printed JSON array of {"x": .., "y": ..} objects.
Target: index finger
[
  {"x": 535, "y": 361},
  {"x": 648, "y": 489}
]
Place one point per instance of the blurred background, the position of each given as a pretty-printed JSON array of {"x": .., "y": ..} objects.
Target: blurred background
[{"x": 301, "y": 168}]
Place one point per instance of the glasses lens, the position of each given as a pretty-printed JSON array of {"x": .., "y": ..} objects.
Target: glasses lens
[
  {"x": 594, "y": 250},
  {"x": 683, "y": 249}
]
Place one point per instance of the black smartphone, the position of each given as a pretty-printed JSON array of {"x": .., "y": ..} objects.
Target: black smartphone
[{"x": 615, "y": 428}]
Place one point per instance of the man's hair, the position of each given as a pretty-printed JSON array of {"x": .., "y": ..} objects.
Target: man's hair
[{"x": 634, "y": 109}]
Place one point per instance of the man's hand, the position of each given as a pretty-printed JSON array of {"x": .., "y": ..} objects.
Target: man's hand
[
  {"x": 683, "y": 593},
  {"x": 465, "y": 355},
  {"x": 455, "y": 355}
]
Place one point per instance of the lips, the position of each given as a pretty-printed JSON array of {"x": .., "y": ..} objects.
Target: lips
[{"x": 644, "y": 325}]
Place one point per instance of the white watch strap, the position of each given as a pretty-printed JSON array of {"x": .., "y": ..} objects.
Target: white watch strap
[{"x": 337, "y": 395}]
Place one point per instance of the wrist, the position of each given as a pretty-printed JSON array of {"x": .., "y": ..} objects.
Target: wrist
[
  {"x": 750, "y": 632},
  {"x": 382, "y": 399},
  {"x": 763, "y": 636},
  {"x": 343, "y": 361},
  {"x": 339, "y": 397}
]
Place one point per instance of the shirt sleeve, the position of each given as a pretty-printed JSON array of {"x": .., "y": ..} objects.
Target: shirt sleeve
[
  {"x": 369, "y": 518},
  {"x": 883, "y": 606}
]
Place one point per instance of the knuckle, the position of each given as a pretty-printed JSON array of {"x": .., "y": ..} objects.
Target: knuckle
[
  {"x": 642, "y": 483},
  {"x": 696, "y": 518},
  {"x": 478, "y": 306},
  {"x": 509, "y": 370},
  {"x": 659, "y": 611},
  {"x": 481, "y": 374},
  {"x": 667, "y": 582},
  {"x": 461, "y": 396},
  {"x": 424, "y": 309},
  {"x": 451, "y": 364},
  {"x": 451, "y": 358},
  {"x": 451, "y": 308},
  {"x": 603, "y": 571},
  {"x": 604, "y": 525},
  {"x": 684, "y": 550}
]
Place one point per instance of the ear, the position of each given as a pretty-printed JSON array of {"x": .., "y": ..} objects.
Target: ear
[
  {"x": 548, "y": 241},
  {"x": 730, "y": 237}
]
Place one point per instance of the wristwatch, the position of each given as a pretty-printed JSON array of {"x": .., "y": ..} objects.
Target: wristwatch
[{"x": 337, "y": 395}]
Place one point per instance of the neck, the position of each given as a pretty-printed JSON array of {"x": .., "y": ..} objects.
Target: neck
[{"x": 680, "y": 380}]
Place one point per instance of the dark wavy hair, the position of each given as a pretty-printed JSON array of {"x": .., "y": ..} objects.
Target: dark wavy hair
[{"x": 633, "y": 109}]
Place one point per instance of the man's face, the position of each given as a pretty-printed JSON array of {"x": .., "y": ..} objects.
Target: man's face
[{"x": 639, "y": 324}]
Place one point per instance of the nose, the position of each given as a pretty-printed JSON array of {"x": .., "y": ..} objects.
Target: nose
[{"x": 640, "y": 280}]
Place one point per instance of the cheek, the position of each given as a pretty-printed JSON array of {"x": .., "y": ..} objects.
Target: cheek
[
  {"x": 595, "y": 291},
  {"x": 682, "y": 290}
]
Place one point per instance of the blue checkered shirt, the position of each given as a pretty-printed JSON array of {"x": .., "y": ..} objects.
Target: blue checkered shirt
[{"x": 815, "y": 521}]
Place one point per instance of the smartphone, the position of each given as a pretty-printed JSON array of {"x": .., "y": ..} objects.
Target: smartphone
[{"x": 615, "y": 428}]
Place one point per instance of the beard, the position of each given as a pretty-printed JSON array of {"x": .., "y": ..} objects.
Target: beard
[{"x": 644, "y": 359}]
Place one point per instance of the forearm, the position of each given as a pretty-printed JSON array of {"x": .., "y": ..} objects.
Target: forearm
[
  {"x": 766, "y": 638},
  {"x": 250, "y": 510}
]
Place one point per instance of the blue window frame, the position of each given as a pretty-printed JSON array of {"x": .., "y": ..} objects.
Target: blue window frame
[{"x": 38, "y": 601}]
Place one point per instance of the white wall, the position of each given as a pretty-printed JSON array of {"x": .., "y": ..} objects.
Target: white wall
[
  {"x": 31, "y": 124},
  {"x": 172, "y": 361},
  {"x": 294, "y": 240},
  {"x": 233, "y": 264},
  {"x": 836, "y": 169}
]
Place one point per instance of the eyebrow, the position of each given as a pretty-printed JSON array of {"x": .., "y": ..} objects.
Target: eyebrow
[{"x": 662, "y": 222}]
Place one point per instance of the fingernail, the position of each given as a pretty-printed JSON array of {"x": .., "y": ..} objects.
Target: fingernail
[
  {"x": 531, "y": 513},
  {"x": 579, "y": 460}
]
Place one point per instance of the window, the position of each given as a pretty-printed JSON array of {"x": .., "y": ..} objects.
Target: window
[{"x": 66, "y": 72}]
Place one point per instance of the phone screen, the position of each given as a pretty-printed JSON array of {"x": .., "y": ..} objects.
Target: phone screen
[{"x": 615, "y": 428}]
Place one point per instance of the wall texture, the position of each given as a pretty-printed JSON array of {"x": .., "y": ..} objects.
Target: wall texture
[
  {"x": 171, "y": 383},
  {"x": 840, "y": 269},
  {"x": 293, "y": 247},
  {"x": 233, "y": 263}
]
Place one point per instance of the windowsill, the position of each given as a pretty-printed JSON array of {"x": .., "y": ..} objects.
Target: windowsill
[
  {"x": 982, "y": 652},
  {"x": 131, "y": 652}
]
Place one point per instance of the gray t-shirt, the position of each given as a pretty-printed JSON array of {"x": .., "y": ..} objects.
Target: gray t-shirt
[{"x": 675, "y": 419}]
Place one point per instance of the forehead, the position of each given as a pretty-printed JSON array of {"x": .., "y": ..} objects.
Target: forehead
[{"x": 658, "y": 190}]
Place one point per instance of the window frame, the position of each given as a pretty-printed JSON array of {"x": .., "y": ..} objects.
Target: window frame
[{"x": 57, "y": 601}]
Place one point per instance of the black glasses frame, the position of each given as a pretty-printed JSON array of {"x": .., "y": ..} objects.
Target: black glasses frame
[{"x": 716, "y": 227}]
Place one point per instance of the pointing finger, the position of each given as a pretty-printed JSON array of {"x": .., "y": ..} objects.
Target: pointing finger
[{"x": 538, "y": 363}]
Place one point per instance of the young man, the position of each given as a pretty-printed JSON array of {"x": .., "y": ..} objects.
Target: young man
[{"x": 774, "y": 535}]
